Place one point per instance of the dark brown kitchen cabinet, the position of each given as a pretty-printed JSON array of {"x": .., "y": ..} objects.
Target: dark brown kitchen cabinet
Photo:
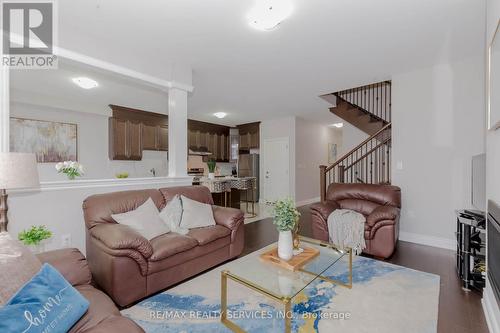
[
  {"x": 209, "y": 137},
  {"x": 125, "y": 139},
  {"x": 244, "y": 141},
  {"x": 154, "y": 137},
  {"x": 163, "y": 138},
  {"x": 135, "y": 143},
  {"x": 249, "y": 136},
  {"x": 132, "y": 131},
  {"x": 149, "y": 137}
]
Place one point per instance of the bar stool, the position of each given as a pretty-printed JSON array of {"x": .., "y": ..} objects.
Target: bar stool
[
  {"x": 218, "y": 186},
  {"x": 249, "y": 185}
]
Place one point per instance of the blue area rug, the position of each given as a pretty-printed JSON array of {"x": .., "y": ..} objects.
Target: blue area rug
[{"x": 384, "y": 298}]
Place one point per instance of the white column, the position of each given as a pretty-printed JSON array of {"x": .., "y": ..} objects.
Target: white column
[
  {"x": 4, "y": 109},
  {"x": 177, "y": 133}
]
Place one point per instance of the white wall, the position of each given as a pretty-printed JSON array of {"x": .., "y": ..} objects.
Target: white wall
[
  {"x": 490, "y": 305},
  {"x": 59, "y": 207},
  {"x": 438, "y": 125},
  {"x": 278, "y": 128},
  {"x": 92, "y": 145},
  {"x": 351, "y": 137},
  {"x": 311, "y": 145},
  {"x": 493, "y": 137}
]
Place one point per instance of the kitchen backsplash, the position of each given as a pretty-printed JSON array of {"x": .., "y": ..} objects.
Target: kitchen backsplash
[{"x": 225, "y": 169}]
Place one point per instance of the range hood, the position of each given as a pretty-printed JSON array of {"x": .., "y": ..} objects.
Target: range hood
[{"x": 199, "y": 151}]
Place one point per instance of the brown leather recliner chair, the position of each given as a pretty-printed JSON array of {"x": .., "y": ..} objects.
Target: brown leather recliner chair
[
  {"x": 128, "y": 267},
  {"x": 380, "y": 204}
]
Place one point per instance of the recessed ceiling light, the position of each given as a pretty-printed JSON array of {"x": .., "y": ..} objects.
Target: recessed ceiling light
[
  {"x": 337, "y": 125},
  {"x": 85, "y": 82},
  {"x": 220, "y": 115},
  {"x": 268, "y": 14}
]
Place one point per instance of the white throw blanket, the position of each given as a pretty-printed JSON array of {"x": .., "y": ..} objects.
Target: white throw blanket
[{"x": 346, "y": 228}]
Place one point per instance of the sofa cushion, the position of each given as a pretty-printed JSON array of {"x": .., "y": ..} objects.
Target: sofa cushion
[
  {"x": 198, "y": 193},
  {"x": 181, "y": 259},
  {"x": 70, "y": 263},
  {"x": 364, "y": 207},
  {"x": 196, "y": 214},
  {"x": 208, "y": 234},
  {"x": 145, "y": 220},
  {"x": 169, "y": 244},
  {"x": 100, "y": 308},
  {"x": 171, "y": 215},
  {"x": 18, "y": 266},
  {"x": 98, "y": 208}
]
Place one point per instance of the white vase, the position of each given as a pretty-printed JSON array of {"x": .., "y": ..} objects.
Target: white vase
[
  {"x": 285, "y": 245},
  {"x": 38, "y": 248},
  {"x": 211, "y": 175}
]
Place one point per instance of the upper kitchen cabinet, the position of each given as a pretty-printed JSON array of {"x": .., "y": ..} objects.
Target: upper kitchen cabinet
[
  {"x": 125, "y": 139},
  {"x": 154, "y": 137},
  {"x": 249, "y": 136},
  {"x": 209, "y": 140},
  {"x": 131, "y": 131}
]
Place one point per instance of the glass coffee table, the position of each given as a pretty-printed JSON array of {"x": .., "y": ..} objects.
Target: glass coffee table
[{"x": 280, "y": 284}]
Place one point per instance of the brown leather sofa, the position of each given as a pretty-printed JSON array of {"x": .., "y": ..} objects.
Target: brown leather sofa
[
  {"x": 128, "y": 267},
  {"x": 380, "y": 204},
  {"x": 103, "y": 315}
]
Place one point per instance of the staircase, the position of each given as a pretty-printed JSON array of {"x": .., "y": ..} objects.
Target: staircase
[{"x": 369, "y": 109}]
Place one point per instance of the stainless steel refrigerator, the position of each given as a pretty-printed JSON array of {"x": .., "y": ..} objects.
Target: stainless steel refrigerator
[{"x": 248, "y": 166}]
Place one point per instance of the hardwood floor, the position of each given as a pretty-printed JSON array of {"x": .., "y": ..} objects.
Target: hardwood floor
[{"x": 459, "y": 311}]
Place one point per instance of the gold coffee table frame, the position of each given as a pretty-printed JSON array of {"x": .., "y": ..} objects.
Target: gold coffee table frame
[{"x": 285, "y": 301}]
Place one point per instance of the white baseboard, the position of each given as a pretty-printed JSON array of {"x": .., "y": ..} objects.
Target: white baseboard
[
  {"x": 440, "y": 242},
  {"x": 491, "y": 309},
  {"x": 307, "y": 202}
]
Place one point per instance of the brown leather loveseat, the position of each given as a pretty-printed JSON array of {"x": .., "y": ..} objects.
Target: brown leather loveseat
[
  {"x": 380, "y": 204},
  {"x": 128, "y": 267}
]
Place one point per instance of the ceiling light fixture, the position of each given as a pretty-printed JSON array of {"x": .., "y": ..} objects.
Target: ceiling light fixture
[
  {"x": 85, "y": 82},
  {"x": 220, "y": 115},
  {"x": 337, "y": 125},
  {"x": 268, "y": 14}
]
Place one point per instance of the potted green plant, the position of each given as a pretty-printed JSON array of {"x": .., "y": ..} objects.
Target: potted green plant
[
  {"x": 34, "y": 237},
  {"x": 285, "y": 218},
  {"x": 211, "y": 168}
]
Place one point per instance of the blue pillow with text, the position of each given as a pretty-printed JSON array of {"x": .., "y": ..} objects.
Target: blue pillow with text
[{"x": 47, "y": 303}]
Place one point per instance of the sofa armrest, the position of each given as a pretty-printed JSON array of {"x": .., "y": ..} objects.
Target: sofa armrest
[
  {"x": 324, "y": 209},
  {"x": 230, "y": 218},
  {"x": 121, "y": 237},
  {"x": 382, "y": 213},
  {"x": 70, "y": 263}
]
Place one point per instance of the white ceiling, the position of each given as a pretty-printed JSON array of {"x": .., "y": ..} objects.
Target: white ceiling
[
  {"x": 324, "y": 46},
  {"x": 55, "y": 88}
]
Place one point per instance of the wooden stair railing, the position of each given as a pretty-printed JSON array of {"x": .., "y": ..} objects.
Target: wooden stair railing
[
  {"x": 369, "y": 162},
  {"x": 374, "y": 99}
]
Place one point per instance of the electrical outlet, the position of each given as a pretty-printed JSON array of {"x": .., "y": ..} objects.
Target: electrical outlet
[
  {"x": 399, "y": 165},
  {"x": 66, "y": 240}
]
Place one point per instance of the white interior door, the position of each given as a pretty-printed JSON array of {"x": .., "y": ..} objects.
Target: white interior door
[{"x": 276, "y": 169}]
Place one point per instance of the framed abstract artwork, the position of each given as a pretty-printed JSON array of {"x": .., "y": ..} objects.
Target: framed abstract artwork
[{"x": 50, "y": 141}]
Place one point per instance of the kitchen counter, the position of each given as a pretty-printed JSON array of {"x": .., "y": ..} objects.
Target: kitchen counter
[
  {"x": 220, "y": 187},
  {"x": 225, "y": 184}
]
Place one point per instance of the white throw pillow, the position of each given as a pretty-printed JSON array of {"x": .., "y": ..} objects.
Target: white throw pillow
[
  {"x": 196, "y": 214},
  {"x": 145, "y": 220},
  {"x": 172, "y": 215}
]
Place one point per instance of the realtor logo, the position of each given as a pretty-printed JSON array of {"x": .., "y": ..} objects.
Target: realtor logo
[{"x": 28, "y": 38}]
